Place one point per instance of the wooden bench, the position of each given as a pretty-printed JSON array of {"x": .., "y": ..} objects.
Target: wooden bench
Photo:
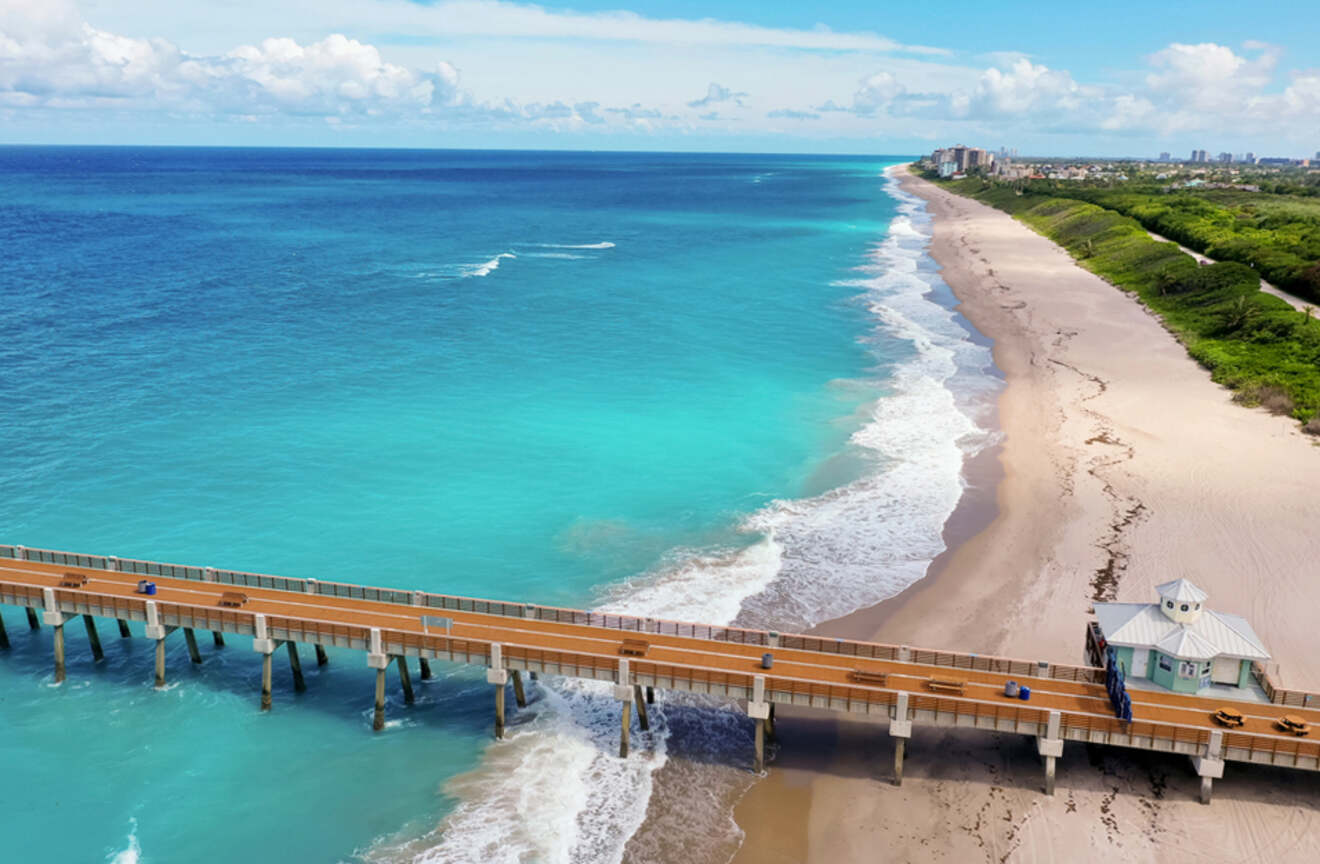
[
  {"x": 946, "y": 685},
  {"x": 861, "y": 676},
  {"x": 635, "y": 647},
  {"x": 233, "y": 599},
  {"x": 73, "y": 580}
]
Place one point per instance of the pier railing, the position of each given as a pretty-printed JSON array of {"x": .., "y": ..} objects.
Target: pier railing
[
  {"x": 1279, "y": 695},
  {"x": 608, "y": 620}
]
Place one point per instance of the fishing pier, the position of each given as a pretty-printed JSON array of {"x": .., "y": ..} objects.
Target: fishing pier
[{"x": 896, "y": 685}]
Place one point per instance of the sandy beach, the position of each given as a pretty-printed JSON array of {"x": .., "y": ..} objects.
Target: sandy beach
[{"x": 1122, "y": 466}]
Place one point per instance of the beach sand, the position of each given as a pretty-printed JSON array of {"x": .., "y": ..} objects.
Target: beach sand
[{"x": 1122, "y": 466}]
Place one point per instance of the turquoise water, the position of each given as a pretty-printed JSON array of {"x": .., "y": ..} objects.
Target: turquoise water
[{"x": 534, "y": 376}]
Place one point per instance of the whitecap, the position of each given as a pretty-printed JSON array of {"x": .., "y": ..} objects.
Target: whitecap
[
  {"x": 132, "y": 852},
  {"x": 604, "y": 244},
  {"x": 489, "y": 267}
]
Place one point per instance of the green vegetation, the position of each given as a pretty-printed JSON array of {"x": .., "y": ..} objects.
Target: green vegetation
[{"x": 1252, "y": 342}]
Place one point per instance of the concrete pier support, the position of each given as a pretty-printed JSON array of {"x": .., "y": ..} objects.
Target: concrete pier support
[
  {"x": 4, "y": 637},
  {"x": 1211, "y": 765},
  {"x": 1050, "y": 747},
  {"x": 93, "y": 638},
  {"x": 59, "y": 653},
  {"x": 321, "y": 658},
  {"x": 33, "y": 621},
  {"x": 378, "y": 720},
  {"x": 643, "y": 719},
  {"x": 266, "y": 664},
  {"x": 405, "y": 678},
  {"x": 900, "y": 729},
  {"x": 190, "y": 637},
  {"x": 218, "y": 638},
  {"x": 626, "y": 729},
  {"x": 519, "y": 696},
  {"x": 650, "y": 696},
  {"x": 758, "y": 760},
  {"x": 534, "y": 677},
  {"x": 770, "y": 723},
  {"x": 498, "y": 677},
  {"x": 295, "y": 666},
  {"x": 426, "y": 668},
  {"x": 124, "y": 632},
  {"x": 160, "y": 662}
]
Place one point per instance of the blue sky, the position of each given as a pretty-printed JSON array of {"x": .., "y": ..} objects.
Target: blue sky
[{"x": 1122, "y": 79}]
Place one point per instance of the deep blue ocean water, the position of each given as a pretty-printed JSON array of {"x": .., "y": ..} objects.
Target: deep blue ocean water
[{"x": 567, "y": 378}]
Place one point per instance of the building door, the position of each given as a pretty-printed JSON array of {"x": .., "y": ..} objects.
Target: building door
[
  {"x": 1140, "y": 663},
  {"x": 1225, "y": 670}
]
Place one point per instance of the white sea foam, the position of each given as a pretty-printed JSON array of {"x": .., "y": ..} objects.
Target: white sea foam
[
  {"x": 556, "y": 792},
  {"x": 489, "y": 267},
  {"x": 131, "y": 853},
  {"x": 604, "y": 244}
]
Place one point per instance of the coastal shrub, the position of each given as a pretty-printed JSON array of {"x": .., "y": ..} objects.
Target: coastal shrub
[
  {"x": 1253, "y": 343},
  {"x": 1312, "y": 426}
]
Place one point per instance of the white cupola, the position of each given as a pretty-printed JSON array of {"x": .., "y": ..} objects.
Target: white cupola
[{"x": 1180, "y": 600}]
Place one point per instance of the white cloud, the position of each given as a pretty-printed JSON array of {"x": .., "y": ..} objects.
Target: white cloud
[
  {"x": 51, "y": 57},
  {"x": 715, "y": 94},
  {"x": 1024, "y": 87}
]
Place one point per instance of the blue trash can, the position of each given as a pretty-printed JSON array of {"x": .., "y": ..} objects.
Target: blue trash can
[
  {"x": 767, "y": 660},
  {"x": 1024, "y": 693}
]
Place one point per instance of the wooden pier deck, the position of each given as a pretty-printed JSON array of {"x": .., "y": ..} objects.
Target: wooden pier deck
[{"x": 640, "y": 656}]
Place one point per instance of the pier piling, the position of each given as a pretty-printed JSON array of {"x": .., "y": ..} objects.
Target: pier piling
[
  {"x": 191, "y": 638},
  {"x": 378, "y": 721},
  {"x": 1049, "y": 774},
  {"x": 4, "y": 637},
  {"x": 758, "y": 763},
  {"x": 650, "y": 696},
  {"x": 218, "y": 638},
  {"x": 534, "y": 676},
  {"x": 643, "y": 719},
  {"x": 900, "y": 729},
  {"x": 295, "y": 666},
  {"x": 124, "y": 632},
  {"x": 519, "y": 696},
  {"x": 33, "y": 621},
  {"x": 625, "y": 730},
  {"x": 59, "y": 653},
  {"x": 900, "y": 744},
  {"x": 426, "y": 668},
  {"x": 499, "y": 712},
  {"x": 265, "y": 679},
  {"x": 160, "y": 662},
  {"x": 405, "y": 678},
  {"x": 770, "y": 723},
  {"x": 321, "y": 659},
  {"x": 93, "y": 638}
]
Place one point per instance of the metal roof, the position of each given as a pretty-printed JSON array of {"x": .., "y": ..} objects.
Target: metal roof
[
  {"x": 1181, "y": 591},
  {"x": 1212, "y": 634}
]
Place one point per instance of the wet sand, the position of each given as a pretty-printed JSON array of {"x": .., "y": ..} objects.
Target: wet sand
[{"x": 1122, "y": 466}]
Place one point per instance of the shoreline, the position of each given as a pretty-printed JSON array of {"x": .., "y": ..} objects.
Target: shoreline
[{"x": 1094, "y": 499}]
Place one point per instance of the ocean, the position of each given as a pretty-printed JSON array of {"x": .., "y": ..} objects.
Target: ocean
[{"x": 706, "y": 387}]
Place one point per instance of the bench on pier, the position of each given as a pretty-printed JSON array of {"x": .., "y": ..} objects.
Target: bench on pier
[
  {"x": 233, "y": 599},
  {"x": 635, "y": 647},
  {"x": 73, "y": 580},
  {"x": 946, "y": 685},
  {"x": 862, "y": 676}
]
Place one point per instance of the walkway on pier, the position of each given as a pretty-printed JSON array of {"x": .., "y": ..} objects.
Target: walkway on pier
[{"x": 894, "y": 682}]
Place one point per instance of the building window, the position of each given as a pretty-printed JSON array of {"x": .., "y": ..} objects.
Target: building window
[
  {"x": 1166, "y": 664},
  {"x": 1185, "y": 607},
  {"x": 1168, "y": 604},
  {"x": 1186, "y": 669}
]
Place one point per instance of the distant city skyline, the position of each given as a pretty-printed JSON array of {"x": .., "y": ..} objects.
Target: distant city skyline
[{"x": 771, "y": 76}]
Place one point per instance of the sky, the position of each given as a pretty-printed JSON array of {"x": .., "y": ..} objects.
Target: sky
[{"x": 845, "y": 76}]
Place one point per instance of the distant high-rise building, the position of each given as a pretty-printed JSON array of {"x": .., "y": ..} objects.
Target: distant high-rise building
[
  {"x": 1317, "y": 155},
  {"x": 1164, "y": 157},
  {"x": 1225, "y": 157},
  {"x": 1198, "y": 156},
  {"x": 1250, "y": 158}
]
